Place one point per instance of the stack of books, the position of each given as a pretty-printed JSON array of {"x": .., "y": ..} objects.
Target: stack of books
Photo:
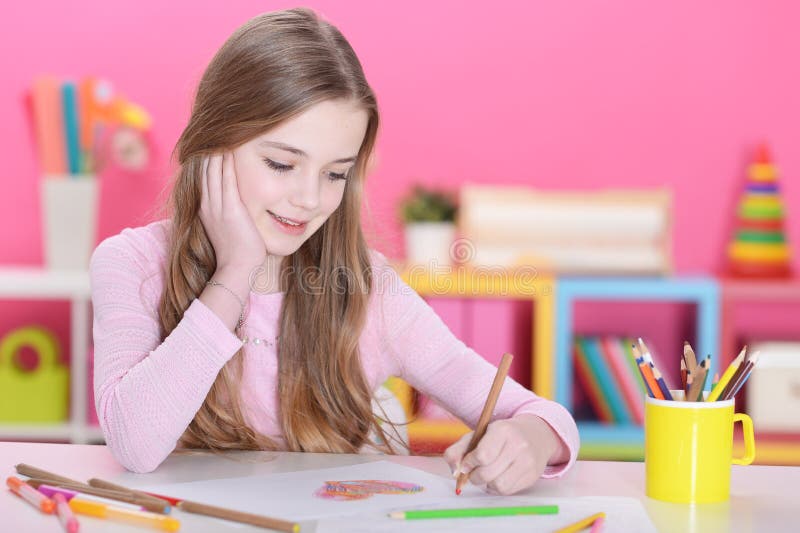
[
  {"x": 567, "y": 232},
  {"x": 606, "y": 370}
]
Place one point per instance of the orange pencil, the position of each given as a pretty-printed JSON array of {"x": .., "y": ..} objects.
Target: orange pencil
[
  {"x": 647, "y": 372},
  {"x": 31, "y": 495},
  {"x": 486, "y": 414}
]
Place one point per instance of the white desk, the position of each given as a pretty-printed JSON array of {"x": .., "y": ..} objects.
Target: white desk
[{"x": 763, "y": 498}]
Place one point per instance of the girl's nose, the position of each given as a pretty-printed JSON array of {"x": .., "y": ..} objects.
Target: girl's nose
[{"x": 306, "y": 192}]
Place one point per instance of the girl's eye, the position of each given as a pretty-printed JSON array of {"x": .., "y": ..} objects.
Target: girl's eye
[
  {"x": 277, "y": 167},
  {"x": 333, "y": 176}
]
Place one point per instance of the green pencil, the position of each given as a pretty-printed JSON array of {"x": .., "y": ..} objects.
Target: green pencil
[{"x": 475, "y": 512}]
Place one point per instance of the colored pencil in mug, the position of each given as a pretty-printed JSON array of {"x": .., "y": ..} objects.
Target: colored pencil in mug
[
  {"x": 748, "y": 369},
  {"x": 691, "y": 358},
  {"x": 474, "y": 512},
  {"x": 662, "y": 385},
  {"x": 486, "y": 414},
  {"x": 729, "y": 373},
  {"x": 647, "y": 373},
  {"x": 581, "y": 524},
  {"x": 683, "y": 373},
  {"x": 695, "y": 393}
]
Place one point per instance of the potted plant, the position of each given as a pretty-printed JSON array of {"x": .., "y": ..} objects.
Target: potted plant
[{"x": 429, "y": 218}]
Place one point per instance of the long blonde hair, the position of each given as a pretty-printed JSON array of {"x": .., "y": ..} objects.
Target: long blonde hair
[{"x": 272, "y": 68}]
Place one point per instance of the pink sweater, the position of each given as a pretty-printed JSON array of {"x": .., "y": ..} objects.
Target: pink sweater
[{"x": 148, "y": 391}]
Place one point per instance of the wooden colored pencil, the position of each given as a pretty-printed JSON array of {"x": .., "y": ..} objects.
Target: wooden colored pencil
[
  {"x": 662, "y": 385},
  {"x": 127, "y": 497},
  {"x": 748, "y": 369},
  {"x": 473, "y": 512},
  {"x": 698, "y": 382},
  {"x": 683, "y": 372},
  {"x": 735, "y": 376},
  {"x": 691, "y": 358},
  {"x": 102, "y": 484},
  {"x": 486, "y": 414},
  {"x": 729, "y": 373},
  {"x": 34, "y": 472},
  {"x": 581, "y": 524},
  {"x": 239, "y": 516},
  {"x": 646, "y": 353},
  {"x": 689, "y": 381},
  {"x": 647, "y": 374},
  {"x": 649, "y": 378}
]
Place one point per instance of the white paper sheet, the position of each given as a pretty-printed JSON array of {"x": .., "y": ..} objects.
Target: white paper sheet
[
  {"x": 623, "y": 515},
  {"x": 291, "y": 495}
]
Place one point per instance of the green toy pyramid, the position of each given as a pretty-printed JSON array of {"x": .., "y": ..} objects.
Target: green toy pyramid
[{"x": 759, "y": 248}]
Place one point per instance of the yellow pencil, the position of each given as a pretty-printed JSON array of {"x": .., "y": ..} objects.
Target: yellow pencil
[
  {"x": 726, "y": 377},
  {"x": 577, "y": 526}
]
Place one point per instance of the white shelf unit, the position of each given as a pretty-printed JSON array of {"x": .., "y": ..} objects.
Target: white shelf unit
[{"x": 31, "y": 283}]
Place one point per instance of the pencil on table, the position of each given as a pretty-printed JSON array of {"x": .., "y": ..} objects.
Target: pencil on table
[
  {"x": 65, "y": 515},
  {"x": 102, "y": 484},
  {"x": 34, "y": 472},
  {"x": 581, "y": 524},
  {"x": 729, "y": 373},
  {"x": 486, "y": 414},
  {"x": 239, "y": 516},
  {"x": 155, "y": 506},
  {"x": 473, "y": 512},
  {"x": 597, "y": 527},
  {"x": 28, "y": 493}
]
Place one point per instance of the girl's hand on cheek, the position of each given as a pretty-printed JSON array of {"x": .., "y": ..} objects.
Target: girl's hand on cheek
[
  {"x": 237, "y": 243},
  {"x": 510, "y": 457}
]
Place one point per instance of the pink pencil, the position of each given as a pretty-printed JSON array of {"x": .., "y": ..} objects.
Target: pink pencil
[{"x": 65, "y": 516}]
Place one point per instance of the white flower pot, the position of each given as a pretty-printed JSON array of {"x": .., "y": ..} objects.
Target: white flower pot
[{"x": 429, "y": 242}]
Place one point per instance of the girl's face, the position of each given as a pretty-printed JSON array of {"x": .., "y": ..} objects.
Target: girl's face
[{"x": 292, "y": 178}]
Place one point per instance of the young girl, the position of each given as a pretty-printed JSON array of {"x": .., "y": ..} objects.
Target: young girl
[{"x": 255, "y": 317}]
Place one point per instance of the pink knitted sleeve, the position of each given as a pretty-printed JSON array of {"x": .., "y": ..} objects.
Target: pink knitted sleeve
[
  {"x": 147, "y": 391},
  {"x": 435, "y": 362}
]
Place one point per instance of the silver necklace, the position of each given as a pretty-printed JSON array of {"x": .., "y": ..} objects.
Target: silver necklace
[{"x": 260, "y": 341}]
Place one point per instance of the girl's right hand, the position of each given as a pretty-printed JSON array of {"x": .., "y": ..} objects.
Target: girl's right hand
[{"x": 237, "y": 243}]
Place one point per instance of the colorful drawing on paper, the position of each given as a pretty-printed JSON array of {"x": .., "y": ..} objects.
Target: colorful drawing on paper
[{"x": 361, "y": 489}]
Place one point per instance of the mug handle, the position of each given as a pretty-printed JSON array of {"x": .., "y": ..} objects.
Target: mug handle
[{"x": 749, "y": 440}]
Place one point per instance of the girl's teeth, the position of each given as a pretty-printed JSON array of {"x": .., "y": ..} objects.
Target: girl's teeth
[{"x": 287, "y": 222}]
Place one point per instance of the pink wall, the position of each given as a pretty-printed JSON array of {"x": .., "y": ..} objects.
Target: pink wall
[{"x": 553, "y": 94}]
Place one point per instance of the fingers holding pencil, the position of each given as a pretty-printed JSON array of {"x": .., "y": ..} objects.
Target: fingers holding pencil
[{"x": 483, "y": 421}]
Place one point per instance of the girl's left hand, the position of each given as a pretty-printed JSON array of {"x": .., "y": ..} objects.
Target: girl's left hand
[{"x": 510, "y": 457}]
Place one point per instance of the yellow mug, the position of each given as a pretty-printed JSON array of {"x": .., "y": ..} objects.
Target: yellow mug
[{"x": 688, "y": 449}]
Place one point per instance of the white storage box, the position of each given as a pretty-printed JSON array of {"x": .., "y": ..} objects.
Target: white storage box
[{"x": 773, "y": 390}]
